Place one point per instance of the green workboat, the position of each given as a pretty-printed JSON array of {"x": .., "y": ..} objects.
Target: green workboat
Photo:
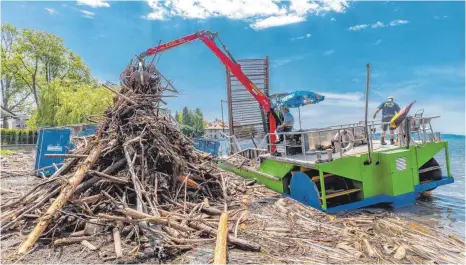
[{"x": 346, "y": 167}]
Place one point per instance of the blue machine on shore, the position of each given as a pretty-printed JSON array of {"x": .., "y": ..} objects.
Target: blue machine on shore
[
  {"x": 51, "y": 141},
  {"x": 212, "y": 146},
  {"x": 57, "y": 140}
]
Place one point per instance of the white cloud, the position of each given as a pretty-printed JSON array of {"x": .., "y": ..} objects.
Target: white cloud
[
  {"x": 308, "y": 35},
  {"x": 93, "y": 3},
  {"x": 358, "y": 27},
  {"x": 438, "y": 17},
  {"x": 301, "y": 7},
  {"x": 87, "y": 14},
  {"x": 378, "y": 24},
  {"x": 274, "y": 21},
  {"x": 398, "y": 22},
  {"x": 377, "y": 42},
  {"x": 259, "y": 13},
  {"x": 329, "y": 52},
  {"x": 333, "y": 19},
  {"x": 50, "y": 10}
]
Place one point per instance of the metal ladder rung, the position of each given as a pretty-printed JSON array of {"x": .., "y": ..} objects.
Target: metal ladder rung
[
  {"x": 338, "y": 194},
  {"x": 317, "y": 178}
]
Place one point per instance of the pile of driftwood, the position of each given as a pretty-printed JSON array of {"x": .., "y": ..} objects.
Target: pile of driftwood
[
  {"x": 290, "y": 232},
  {"x": 138, "y": 175}
]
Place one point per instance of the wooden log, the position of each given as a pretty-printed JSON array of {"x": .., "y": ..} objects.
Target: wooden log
[
  {"x": 62, "y": 198},
  {"x": 134, "y": 178},
  {"x": 109, "y": 178},
  {"x": 78, "y": 233},
  {"x": 220, "y": 254},
  {"x": 191, "y": 183},
  {"x": 117, "y": 241},
  {"x": 88, "y": 245},
  {"x": 157, "y": 220},
  {"x": 71, "y": 240},
  {"x": 241, "y": 243},
  {"x": 208, "y": 210},
  {"x": 89, "y": 199},
  {"x": 115, "y": 218},
  {"x": 111, "y": 169}
]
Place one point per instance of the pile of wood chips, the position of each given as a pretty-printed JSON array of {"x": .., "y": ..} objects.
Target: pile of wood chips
[{"x": 139, "y": 176}]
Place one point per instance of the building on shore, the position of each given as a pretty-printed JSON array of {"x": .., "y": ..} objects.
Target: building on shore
[
  {"x": 10, "y": 120},
  {"x": 216, "y": 130}
]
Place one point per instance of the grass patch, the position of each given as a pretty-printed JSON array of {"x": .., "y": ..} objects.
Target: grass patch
[{"x": 6, "y": 152}]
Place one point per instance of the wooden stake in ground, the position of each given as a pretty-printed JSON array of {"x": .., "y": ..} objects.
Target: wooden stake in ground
[
  {"x": 62, "y": 198},
  {"x": 117, "y": 241},
  {"x": 220, "y": 256}
]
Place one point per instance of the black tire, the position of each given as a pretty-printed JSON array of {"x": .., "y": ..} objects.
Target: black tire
[{"x": 432, "y": 174}]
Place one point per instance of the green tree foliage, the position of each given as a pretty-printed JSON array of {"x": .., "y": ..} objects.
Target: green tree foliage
[
  {"x": 197, "y": 120},
  {"x": 192, "y": 122},
  {"x": 69, "y": 103},
  {"x": 188, "y": 131},
  {"x": 13, "y": 92},
  {"x": 38, "y": 70},
  {"x": 186, "y": 117},
  {"x": 179, "y": 117}
]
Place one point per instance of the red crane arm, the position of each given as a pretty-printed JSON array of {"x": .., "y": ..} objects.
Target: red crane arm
[{"x": 227, "y": 59}]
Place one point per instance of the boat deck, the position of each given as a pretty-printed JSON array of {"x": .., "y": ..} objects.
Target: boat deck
[{"x": 310, "y": 158}]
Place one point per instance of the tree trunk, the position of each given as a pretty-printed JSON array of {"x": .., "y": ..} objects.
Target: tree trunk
[
  {"x": 5, "y": 87},
  {"x": 34, "y": 84}
]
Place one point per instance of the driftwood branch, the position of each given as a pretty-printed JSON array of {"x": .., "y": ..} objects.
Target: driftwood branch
[{"x": 62, "y": 198}]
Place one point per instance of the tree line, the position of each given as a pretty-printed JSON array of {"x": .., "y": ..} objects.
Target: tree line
[
  {"x": 191, "y": 121},
  {"x": 42, "y": 78}
]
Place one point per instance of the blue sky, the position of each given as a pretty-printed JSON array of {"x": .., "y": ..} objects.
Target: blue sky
[{"x": 416, "y": 49}]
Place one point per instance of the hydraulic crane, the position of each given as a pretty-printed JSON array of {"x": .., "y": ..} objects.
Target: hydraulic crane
[{"x": 230, "y": 63}]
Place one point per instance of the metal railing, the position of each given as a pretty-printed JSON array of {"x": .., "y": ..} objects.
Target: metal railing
[{"x": 416, "y": 125}]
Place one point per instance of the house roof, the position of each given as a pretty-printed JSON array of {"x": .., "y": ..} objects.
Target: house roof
[{"x": 217, "y": 125}]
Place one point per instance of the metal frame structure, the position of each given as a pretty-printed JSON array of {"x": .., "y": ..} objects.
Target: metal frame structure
[{"x": 246, "y": 117}]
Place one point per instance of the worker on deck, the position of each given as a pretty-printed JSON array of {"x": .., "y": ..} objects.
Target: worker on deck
[
  {"x": 389, "y": 109},
  {"x": 287, "y": 125}
]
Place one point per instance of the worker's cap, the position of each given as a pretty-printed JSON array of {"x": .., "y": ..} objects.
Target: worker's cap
[{"x": 390, "y": 97}]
